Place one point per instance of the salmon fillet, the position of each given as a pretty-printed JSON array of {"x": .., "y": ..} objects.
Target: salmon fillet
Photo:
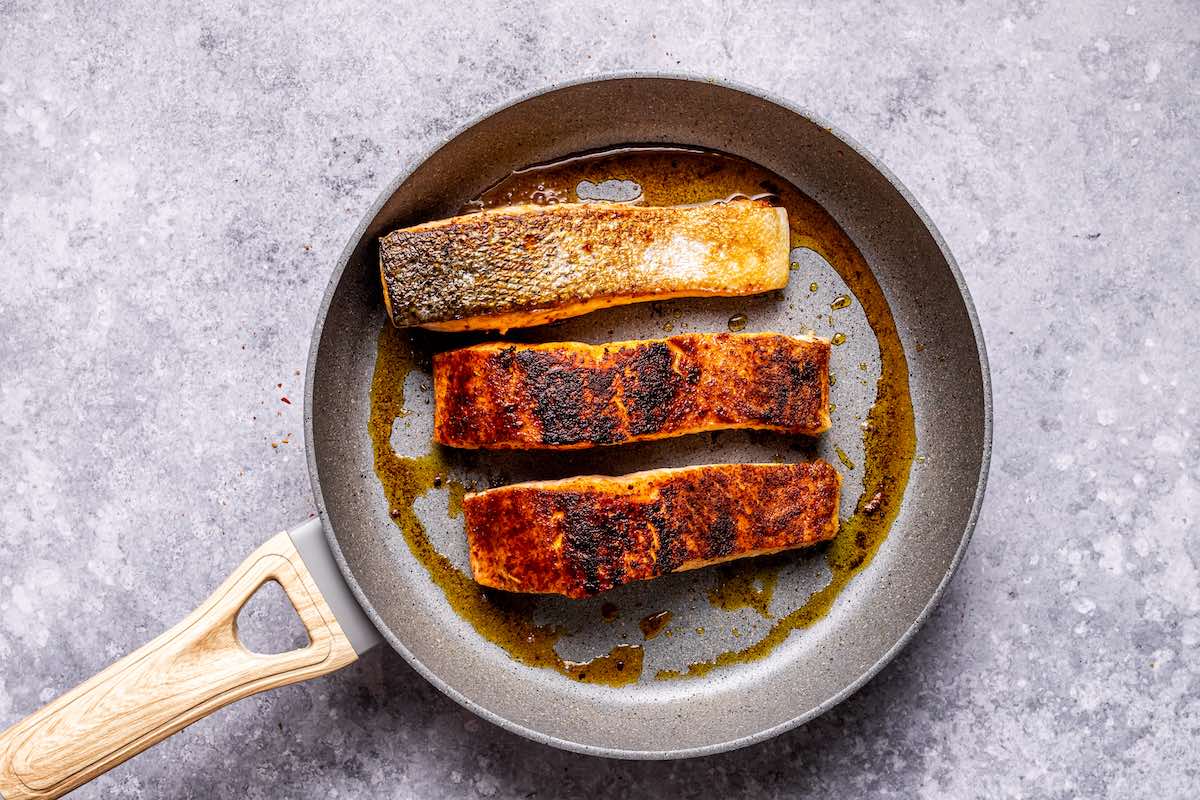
[
  {"x": 570, "y": 395},
  {"x": 527, "y": 265},
  {"x": 581, "y": 536}
]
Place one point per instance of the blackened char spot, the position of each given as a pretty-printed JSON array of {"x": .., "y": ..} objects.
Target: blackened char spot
[
  {"x": 779, "y": 373},
  {"x": 504, "y": 358},
  {"x": 600, "y": 383},
  {"x": 652, "y": 387},
  {"x": 572, "y": 403},
  {"x": 670, "y": 517},
  {"x": 801, "y": 395},
  {"x": 792, "y": 389},
  {"x": 599, "y": 421},
  {"x": 558, "y": 391},
  {"x": 722, "y": 536},
  {"x": 594, "y": 541}
]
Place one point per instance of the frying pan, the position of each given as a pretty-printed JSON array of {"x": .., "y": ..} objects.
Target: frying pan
[{"x": 354, "y": 583}]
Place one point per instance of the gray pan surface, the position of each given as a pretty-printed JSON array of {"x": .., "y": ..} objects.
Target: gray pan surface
[{"x": 816, "y": 667}]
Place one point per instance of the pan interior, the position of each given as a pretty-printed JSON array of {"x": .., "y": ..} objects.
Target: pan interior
[{"x": 813, "y": 666}]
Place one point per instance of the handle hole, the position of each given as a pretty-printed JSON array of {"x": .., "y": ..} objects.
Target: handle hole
[{"x": 268, "y": 624}]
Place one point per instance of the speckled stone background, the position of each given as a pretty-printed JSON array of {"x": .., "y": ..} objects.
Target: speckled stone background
[{"x": 175, "y": 185}]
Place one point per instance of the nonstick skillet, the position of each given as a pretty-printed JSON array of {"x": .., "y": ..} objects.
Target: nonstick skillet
[{"x": 354, "y": 580}]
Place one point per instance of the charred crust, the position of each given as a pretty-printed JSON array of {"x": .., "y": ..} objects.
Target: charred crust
[
  {"x": 587, "y": 543},
  {"x": 574, "y": 395},
  {"x": 665, "y": 521},
  {"x": 650, "y": 389},
  {"x": 505, "y": 357},
  {"x": 722, "y": 537},
  {"x": 558, "y": 395},
  {"x": 567, "y": 414},
  {"x": 670, "y": 555}
]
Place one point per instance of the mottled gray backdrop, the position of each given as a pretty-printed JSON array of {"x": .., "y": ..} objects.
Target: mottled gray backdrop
[{"x": 176, "y": 183}]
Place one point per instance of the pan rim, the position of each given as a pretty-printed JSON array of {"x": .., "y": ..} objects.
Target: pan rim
[{"x": 612, "y": 752}]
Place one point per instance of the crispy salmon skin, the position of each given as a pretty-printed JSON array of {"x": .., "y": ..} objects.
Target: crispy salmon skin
[
  {"x": 526, "y": 265},
  {"x": 570, "y": 395},
  {"x": 580, "y": 536}
]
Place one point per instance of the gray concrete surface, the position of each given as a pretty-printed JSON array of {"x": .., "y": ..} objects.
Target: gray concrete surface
[{"x": 175, "y": 185}]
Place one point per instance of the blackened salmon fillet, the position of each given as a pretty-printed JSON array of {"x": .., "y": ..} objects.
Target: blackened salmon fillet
[
  {"x": 570, "y": 395},
  {"x": 584, "y": 535}
]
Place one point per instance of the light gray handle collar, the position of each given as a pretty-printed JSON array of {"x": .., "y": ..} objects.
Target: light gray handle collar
[{"x": 310, "y": 542}]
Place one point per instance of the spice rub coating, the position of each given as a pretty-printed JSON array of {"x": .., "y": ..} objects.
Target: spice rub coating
[
  {"x": 584, "y": 535},
  {"x": 527, "y": 265},
  {"x": 569, "y": 395}
]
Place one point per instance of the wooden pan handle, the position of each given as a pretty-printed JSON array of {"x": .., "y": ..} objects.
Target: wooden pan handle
[{"x": 182, "y": 676}]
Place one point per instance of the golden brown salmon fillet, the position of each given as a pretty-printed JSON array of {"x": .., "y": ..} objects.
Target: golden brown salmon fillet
[
  {"x": 527, "y": 265},
  {"x": 570, "y": 395},
  {"x": 580, "y": 536}
]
